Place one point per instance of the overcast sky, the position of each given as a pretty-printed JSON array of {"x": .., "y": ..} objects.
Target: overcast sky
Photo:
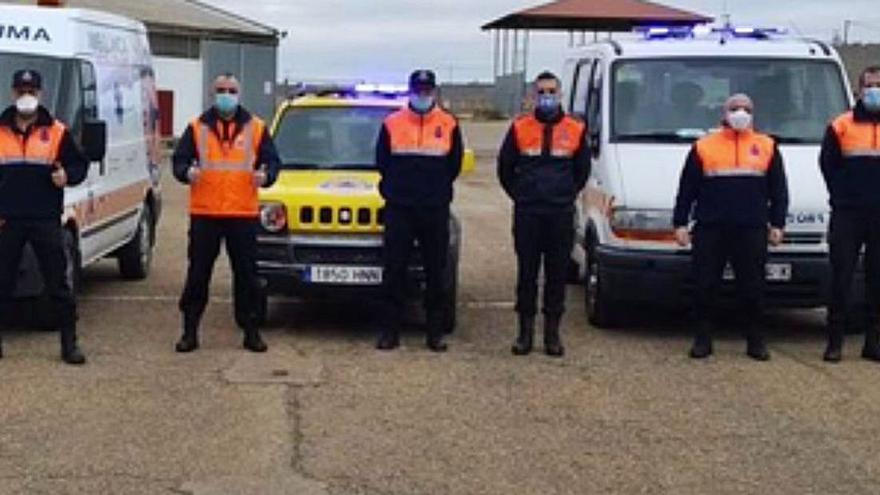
[{"x": 383, "y": 39}]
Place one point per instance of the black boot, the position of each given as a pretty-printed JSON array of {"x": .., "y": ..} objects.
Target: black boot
[
  {"x": 552, "y": 342},
  {"x": 70, "y": 352},
  {"x": 388, "y": 340},
  {"x": 189, "y": 341},
  {"x": 834, "y": 351},
  {"x": 523, "y": 344},
  {"x": 253, "y": 342},
  {"x": 434, "y": 339},
  {"x": 756, "y": 348},
  {"x": 871, "y": 350},
  {"x": 702, "y": 347}
]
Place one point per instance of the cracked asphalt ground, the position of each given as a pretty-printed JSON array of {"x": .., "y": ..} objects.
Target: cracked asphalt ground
[{"x": 323, "y": 413}]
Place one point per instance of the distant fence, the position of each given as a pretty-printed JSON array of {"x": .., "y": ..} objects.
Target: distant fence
[{"x": 857, "y": 58}]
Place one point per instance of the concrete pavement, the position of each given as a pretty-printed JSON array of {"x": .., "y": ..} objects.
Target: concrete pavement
[{"x": 323, "y": 413}]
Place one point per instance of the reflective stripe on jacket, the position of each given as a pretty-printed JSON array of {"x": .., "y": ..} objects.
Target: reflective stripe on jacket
[
  {"x": 419, "y": 157},
  {"x": 225, "y": 187}
]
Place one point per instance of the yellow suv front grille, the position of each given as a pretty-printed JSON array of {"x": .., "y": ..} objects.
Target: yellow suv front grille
[{"x": 338, "y": 217}]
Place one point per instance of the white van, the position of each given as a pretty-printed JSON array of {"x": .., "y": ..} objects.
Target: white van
[
  {"x": 98, "y": 80},
  {"x": 647, "y": 99}
]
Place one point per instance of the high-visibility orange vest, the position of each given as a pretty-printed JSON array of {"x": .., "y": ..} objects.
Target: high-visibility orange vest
[
  {"x": 420, "y": 135},
  {"x": 728, "y": 153},
  {"x": 857, "y": 139},
  {"x": 568, "y": 134},
  {"x": 40, "y": 148},
  {"x": 225, "y": 186}
]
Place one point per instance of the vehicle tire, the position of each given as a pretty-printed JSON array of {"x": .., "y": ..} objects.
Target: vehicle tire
[
  {"x": 857, "y": 320},
  {"x": 450, "y": 313},
  {"x": 573, "y": 272},
  {"x": 263, "y": 308},
  {"x": 601, "y": 311},
  {"x": 136, "y": 257},
  {"x": 74, "y": 260}
]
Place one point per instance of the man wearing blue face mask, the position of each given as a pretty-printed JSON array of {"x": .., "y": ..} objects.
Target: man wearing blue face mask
[
  {"x": 418, "y": 153},
  {"x": 224, "y": 156},
  {"x": 543, "y": 164},
  {"x": 850, "y": 162}
]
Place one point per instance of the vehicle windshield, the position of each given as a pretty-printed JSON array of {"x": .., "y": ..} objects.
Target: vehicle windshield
[
  {"x": 675, "y": 100},
  {"x": 330, "y": 138},
  {"x": 51, "y": 69}
]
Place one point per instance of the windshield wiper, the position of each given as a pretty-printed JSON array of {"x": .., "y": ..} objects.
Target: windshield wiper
[
  {"x": 674, "y": 137},
  {"x": 792, "y": 140},
  {"x": 300, "y": 166},
  {"x": 353, "y": 166}
]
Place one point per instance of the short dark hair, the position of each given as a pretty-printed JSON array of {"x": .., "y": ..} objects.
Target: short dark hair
[
  {"x": 873, "y": 69},
  {"x": 547, "y": 76}
]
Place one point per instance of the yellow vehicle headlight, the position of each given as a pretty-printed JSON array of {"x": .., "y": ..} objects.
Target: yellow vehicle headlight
[{"x": 273, "y": 217}]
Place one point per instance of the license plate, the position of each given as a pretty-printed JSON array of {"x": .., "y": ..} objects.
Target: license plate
[
  {"x": 775, "y": 272},
  {"x": 345, "y": 275}
]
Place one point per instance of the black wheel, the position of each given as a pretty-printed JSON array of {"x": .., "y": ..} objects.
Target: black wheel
[
  {"x": 136, "y": 257},
  {"x": 858, "y": 319},
  {"x": 601, "y": 311},
  {"x": 573, "y": 272},
  {"x": 74, "y": 260},
  {"x": 263, "y": 308},
  {"x": 451, "y": 309}
]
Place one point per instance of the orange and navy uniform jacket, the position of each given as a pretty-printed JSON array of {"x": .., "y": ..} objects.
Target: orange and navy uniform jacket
[
  {"x": 228, "y": 152},
  {"x": 27, "y": 160},
  {"x": 736, "y": 179},
  {"x": 419, "y": 157},
  {"x": 850, "y": 160},
  {"x": 544, "y": 163}
]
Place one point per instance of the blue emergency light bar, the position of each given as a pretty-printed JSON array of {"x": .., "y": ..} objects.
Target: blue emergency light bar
[
  {"x": 350, "y": 90},
  {"x": 688, "y": 32}
]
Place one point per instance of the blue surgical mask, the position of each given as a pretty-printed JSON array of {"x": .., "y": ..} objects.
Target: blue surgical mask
[
  {"x": 871, "y": 99},
  {"x": 421, "y": 104},
  {"x": 226, "y": 103},
  {"x": 548, "y": 103}
]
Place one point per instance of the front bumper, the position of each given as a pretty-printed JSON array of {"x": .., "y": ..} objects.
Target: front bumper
[
  {"x": 284, "y": 263},
  {"x": 665, "y": 278}
]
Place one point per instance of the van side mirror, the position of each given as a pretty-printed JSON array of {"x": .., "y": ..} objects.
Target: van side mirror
[
  {"x": 595, "y": 142},
  {"x": 94, "y": 140},
  {"x": 468, "y": 161}
]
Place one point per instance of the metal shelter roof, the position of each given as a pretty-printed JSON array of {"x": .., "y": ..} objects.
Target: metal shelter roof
[{"x": 596, "y": 15}]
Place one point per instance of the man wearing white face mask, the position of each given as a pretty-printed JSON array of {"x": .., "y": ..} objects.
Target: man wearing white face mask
[
  {"x": 734, "y": 184},
  {"x": 38, "y": 158},
  {"x": 850, "y": 163}
]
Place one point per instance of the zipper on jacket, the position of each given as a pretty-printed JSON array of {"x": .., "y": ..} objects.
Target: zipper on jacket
[{"x": 736, "y": 138}]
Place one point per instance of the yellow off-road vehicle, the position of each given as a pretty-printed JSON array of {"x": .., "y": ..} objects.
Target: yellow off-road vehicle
[{"x": 322, "y": 221}]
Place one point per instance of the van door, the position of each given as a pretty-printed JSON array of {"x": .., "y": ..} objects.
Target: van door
[{"x": 119, "y": 187}]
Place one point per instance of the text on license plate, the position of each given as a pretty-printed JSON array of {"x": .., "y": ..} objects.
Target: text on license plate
[
  {"x": 345, "y": 275},
  {"x": 776, "y": 272}
]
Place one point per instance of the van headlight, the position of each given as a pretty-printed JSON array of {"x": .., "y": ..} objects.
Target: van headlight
[
  {"x": 642, "y": 225},
  {"x": 273, "y": 217}
]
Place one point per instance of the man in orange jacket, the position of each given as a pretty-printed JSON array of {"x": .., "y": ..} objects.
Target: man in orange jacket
[
  {"x": 734, "y": 184},
  {"x": 38, "y": 158},
  {"x": 225, "y": 155},
  {"x": 418, "y": 152},
  {"x": 850, "y": 163},
  {"x": 543, "y": 164}
]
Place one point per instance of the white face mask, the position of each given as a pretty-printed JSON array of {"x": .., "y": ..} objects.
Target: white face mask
[
  {"x": 739, "y": 120},
  {"x": 27, "y": 104}
]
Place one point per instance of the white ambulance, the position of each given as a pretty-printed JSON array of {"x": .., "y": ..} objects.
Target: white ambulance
[
  {"x": 98, "y": 80},
  {"x": 647, "y": 98}
]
